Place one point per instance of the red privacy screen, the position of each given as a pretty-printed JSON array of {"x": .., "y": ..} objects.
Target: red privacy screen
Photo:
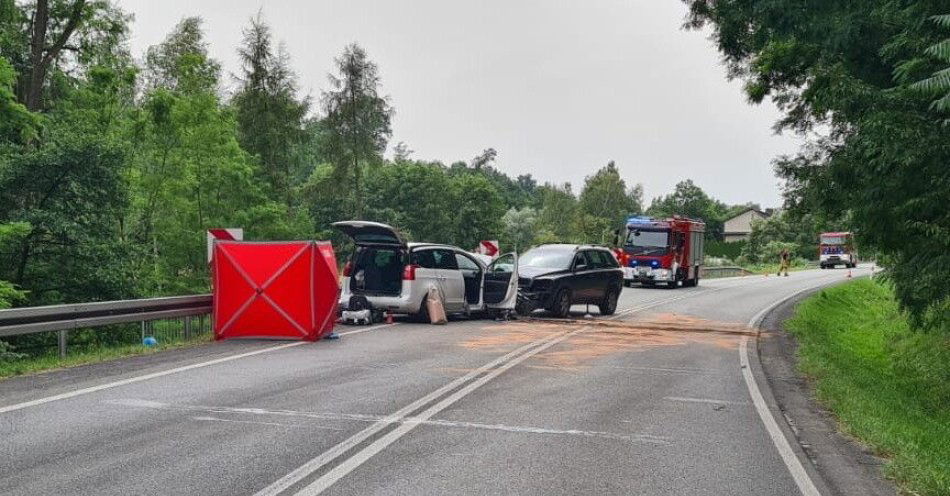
[{"x": 274, "y": 289}]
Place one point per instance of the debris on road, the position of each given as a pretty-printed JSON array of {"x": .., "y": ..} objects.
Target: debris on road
[{"x": 607, "y": 337}]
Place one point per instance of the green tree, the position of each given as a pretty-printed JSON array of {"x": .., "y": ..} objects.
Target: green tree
[
  {"x": 270, "y": 115},
  {"x": 73, "y": 194},
  {"x": 17, "y": 124},
  {"x": 799, "y": 233},
  {"x": 71, "y": 187},
  {"x": 558, "y": 211},
  {"x": 849, "y": 67},
  {"x": 357, "y": 122},
  {"x": 413, "y": 196},
  {"x": 11, "y": 235},
  {"x": 689, "y": 200},
  {"x": 478, "y": 210},
  {"x": 604, "y": 203},
  {"x": 55, "y": 37},
  {"x": 189, "y": 173},
  {"x": 520, "y": 227},
  {"x": 937, "y": 84},
  {"x": 181, "y": 63},
  {"x": 484, "y": 159}
]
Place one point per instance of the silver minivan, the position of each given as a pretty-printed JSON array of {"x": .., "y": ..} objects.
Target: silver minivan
[{"x": 396, "y": 276}]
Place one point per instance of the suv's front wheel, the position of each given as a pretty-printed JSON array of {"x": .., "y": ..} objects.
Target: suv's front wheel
[
  {"x": 609, "y": 305},
  {"x": 561, "y": 306}
]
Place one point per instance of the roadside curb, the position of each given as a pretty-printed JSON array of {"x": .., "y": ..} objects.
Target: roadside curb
[{"x": 837, "y": 465}]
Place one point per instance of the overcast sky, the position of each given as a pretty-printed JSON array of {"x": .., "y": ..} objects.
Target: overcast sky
[{"x": 558, "y": 88}]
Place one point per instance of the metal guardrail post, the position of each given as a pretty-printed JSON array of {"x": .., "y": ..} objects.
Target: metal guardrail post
[
  {"x": 62, "y": 342},
  {"x": 186, "y": 325}
]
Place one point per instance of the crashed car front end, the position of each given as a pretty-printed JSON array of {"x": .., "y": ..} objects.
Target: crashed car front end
[{"x": 534, "y": 293}]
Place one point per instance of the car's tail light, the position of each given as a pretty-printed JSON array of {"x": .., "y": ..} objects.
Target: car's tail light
[
  {"x": 409, "y": 273},
  {"x": 348, "y": 269}
]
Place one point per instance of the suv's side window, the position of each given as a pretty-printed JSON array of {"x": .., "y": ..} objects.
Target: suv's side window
[
  {"x": 596, "y": 259},
  {"x": 602, "y": 259},
  {"x": 581, "y": 262},
  {"x": 445, "y": 259}
]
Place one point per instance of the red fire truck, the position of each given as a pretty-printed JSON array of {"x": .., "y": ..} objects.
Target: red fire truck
[
  {"x": 837, "y": 248},
  {"x": 667, "y": 251}
]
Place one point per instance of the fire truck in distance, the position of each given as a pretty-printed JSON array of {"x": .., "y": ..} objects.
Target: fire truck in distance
[
  {"x": 837, "y": 248},
  {"x": 666, "y": 251}
]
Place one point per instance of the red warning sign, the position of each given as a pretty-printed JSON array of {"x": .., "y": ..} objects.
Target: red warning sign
[{"x": 489, "y": 248}]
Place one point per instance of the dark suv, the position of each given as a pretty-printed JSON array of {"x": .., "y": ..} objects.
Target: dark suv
[{"x": 555, "y": 277}]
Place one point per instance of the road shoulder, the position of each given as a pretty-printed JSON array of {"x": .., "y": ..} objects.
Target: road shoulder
[{"x": 845, "y": 466}]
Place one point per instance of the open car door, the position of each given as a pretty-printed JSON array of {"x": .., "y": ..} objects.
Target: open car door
[{"x": 501, "y": 283}]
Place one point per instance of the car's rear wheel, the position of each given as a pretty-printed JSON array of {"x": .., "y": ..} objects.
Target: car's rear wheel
[
  {"x": 609, "y": 305},
  {"x": 561, "y": 307}
]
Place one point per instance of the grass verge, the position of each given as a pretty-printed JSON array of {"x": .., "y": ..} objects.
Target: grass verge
[
  {"x": 888, "y": 385},
  {"x": 82, "y": 356}
]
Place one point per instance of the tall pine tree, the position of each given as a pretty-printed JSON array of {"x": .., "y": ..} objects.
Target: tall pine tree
[
  {"x": 357, "y": 123},
  {"x": 270, "y": 115}
]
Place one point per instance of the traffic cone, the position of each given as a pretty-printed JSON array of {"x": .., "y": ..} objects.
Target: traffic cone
[{"x": 389, "y": 317}]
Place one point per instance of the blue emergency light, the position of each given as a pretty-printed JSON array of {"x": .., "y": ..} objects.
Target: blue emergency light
[
  {"x": 640, "y": 219},
  {"x": 654, "y": 263}
]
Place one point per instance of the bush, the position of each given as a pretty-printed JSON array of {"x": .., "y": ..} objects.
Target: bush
[
  {"x": 725, "y": 249},
  {"x": 7, "y": 354},
  {"x": 717, "y": 261}
]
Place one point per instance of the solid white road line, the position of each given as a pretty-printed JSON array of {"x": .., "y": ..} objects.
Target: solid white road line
[
  {"x": 315, "y": 464},
  {"x": 794, "y": 465},
  {"x": 375, "y": 447},
  {"x": 805, "y": 485},
  {"x": 365, "y": 329},
  {"x": 133, "y": 380}
]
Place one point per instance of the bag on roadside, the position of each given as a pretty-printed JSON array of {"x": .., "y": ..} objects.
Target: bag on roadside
[{"x": 435, "y": 308}]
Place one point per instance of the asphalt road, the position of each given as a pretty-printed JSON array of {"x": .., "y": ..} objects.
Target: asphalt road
[{"x": 654, "y": 402}]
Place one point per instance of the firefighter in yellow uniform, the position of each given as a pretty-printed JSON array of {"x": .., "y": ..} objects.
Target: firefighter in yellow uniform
[{"x": 785, "y": 262}]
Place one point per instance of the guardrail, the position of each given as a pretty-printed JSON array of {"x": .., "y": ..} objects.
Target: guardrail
[{"x": 63, "y": 318}]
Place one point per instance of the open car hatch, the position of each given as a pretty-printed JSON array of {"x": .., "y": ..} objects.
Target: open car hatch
[{"x": 370, "y": 233}]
